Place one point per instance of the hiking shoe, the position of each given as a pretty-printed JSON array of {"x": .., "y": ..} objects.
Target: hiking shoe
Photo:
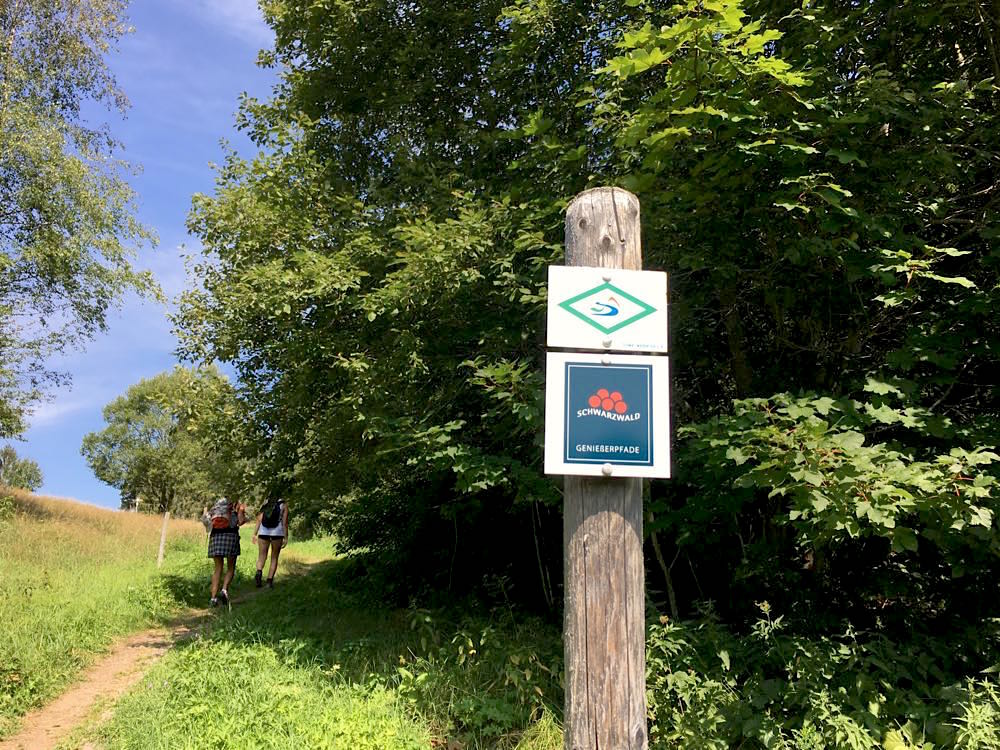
[
  {"x": 213, "y": 602},
  {"x": 223, "y": 598},
  {"x": 270, "y": 583},
  {"x": 258, "y": 579}
]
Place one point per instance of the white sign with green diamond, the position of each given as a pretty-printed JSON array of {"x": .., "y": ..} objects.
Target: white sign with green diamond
[{"x": 607, "y": 308}]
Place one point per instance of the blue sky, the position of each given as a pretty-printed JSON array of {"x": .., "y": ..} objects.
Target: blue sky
[{"x": 183, "y": 70}]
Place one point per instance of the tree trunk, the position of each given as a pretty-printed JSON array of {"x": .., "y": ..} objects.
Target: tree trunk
[{"x": 742, "y": 374}]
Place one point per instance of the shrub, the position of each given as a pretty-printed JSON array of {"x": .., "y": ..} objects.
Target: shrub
[{"x": 775, "y": 687}]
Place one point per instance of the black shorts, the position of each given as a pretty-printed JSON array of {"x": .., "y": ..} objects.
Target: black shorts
[{"x": 269, "y": 537}]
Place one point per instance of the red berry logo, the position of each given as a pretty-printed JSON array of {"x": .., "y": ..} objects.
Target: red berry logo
[{"x": 608, "y": 401}]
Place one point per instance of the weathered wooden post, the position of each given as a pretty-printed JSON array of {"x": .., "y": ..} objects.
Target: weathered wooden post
[
  {"x": 607, "y": 425},
  {"x": 604, "y": 574},
  {"x": 163, "y": 539}
]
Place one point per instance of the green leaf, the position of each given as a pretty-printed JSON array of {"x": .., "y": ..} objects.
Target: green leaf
[
  {"x": 794, "y": 207},
  {"x": 823, "y": 405},
  {"x": 799, "y": 411},
  {"x": 846, "y": 157},
  {"x": 883, "y": 414},
  {"x": 643, "y": 59},
  {"x": 848, "y": 441},
  {"x": 816, "y": 480},
  {"x": 881, "y": 388},
  {"x": 724, "y": 658},
  {"x": 958, "y": 280},
  {"x": 981, "y": 517},
  {"x": 790, "y": 146},
  {"x": 735, "y": 454},
  {"x": 819, "y": 502},
  {"x": 904, "y": 539},
  {"x": 703, "y": 109}
]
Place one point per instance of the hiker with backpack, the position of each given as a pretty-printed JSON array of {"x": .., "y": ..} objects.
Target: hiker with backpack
[
  {"x": 224, "y": 544},
  {"x": 271, "y": 534}
]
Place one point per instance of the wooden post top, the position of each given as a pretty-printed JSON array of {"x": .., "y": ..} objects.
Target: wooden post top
[{"x": 602, "y": 229}]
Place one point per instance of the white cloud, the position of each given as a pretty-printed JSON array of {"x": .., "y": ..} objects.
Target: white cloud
[
  {"x": 51, "y": 412},
  {"x": 241, "y": 18},
  {"x": 138, "y": 344}
]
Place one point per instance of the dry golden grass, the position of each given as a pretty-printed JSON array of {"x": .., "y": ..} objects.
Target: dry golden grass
[{"x": 67, "y": 526}]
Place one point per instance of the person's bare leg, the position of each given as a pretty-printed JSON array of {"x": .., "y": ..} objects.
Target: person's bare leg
[
  {"x": 216, "y": 575},
  {"x": 230, "y": 572},
  {"x": 275, "y": 551},
  {"x": 262, "y": 546}
]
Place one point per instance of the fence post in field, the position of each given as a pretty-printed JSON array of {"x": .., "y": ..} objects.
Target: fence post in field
[
  {"x": 604, "y": 628},
  {"x": 163, "y": 538}
]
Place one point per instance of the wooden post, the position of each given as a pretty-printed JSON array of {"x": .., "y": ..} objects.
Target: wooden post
[
  {"x": 604, "y": 629},
  {"x": 163, "y": 538}
]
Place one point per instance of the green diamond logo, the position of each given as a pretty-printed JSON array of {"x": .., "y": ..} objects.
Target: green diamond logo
[{"x": 607, "y": 308}]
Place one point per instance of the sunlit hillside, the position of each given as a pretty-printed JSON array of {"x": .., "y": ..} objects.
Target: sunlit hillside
[{"x": 83, "y": 528}]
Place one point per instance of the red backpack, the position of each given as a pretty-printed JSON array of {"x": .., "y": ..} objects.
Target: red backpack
[{"x": 221, "y": 514}]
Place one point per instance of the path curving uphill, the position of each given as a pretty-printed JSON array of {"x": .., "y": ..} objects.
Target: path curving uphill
[{"x": 104, "y": 682}]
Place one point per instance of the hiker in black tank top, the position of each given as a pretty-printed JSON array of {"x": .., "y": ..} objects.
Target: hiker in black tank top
[{"x": 270, "y": 535}]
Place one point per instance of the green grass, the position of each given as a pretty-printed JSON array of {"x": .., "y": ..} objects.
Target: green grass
[
  {"x": 319, "y": 663},
  {"x": 222, "y": 694},
  {"x": 310, "y": 550},
  {"x": 74, "y": 578}
]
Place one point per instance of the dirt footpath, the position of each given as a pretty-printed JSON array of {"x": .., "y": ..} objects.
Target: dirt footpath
[{"x": 106, "y": 680}]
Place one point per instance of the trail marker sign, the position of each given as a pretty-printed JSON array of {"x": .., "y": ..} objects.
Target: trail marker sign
[
  {"x": 607, "y": 309},
  {"x": 607, "y": 415}
]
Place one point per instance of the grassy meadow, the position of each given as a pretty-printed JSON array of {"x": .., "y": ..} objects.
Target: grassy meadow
[
  {"x": 318, "y": 662},
  {"x": 74, "y": 578}
]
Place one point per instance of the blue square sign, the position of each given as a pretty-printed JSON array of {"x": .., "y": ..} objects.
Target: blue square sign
[
  {"x": 607, "y": 414},
  {"x": 608, "y": 410}
]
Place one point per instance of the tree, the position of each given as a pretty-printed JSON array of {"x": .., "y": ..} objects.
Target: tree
[
  {"x": 821, "y": 182},
  {"x": 828, "y": 188},
  {"x": 158, "y": 447},
  {"x": 68, "y": 230},
  {"x": 369, "y": 304},
  {"x": 19, "y": 472}
]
